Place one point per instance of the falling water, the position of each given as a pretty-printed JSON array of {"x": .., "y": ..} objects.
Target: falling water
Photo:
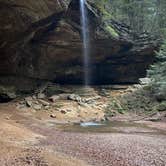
[{"x": 86, "y": 42}]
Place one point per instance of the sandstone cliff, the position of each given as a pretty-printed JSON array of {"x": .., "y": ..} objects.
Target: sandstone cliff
[{"x": 41, "y": 41}]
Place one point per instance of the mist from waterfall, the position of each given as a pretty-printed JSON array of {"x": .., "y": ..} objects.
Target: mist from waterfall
[{"x": 86, "y": 42}]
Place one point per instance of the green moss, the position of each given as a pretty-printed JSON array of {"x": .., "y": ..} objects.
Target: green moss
[
  {"x": 7, "y": 93},
  {"x": 102, "y": 7},
  {"x": 111, "y": 31},
  {"x": 5, "y": 89},
  {"x": 106, "y": 15},
  {"x": 161, "y": 106}
]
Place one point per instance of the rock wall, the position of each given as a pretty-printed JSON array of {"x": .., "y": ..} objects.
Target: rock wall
[{"x": 41, "y": 41}]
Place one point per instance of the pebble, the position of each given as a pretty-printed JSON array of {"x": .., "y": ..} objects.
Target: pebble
[
  {"x": 63, "y": 111},
  {"x": 53, "y": 116}
]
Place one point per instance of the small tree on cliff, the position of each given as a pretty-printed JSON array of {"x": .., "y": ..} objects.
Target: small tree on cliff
[{"x": 157, "y": 73}]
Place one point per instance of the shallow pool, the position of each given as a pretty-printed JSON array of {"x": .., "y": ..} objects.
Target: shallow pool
[{"x": 109, "y": 127}]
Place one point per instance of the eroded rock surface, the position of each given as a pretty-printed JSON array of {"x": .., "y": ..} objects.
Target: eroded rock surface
[{"x": 41, "y": 40}]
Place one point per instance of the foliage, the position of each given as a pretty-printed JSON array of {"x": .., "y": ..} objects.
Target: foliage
[
  {"x": 161, "y": 106},
  {"x": 140, "y": 15},
  {"x": 113, "y": 107},
  {"x": 102, "y": 7},
  {"x": 157, "y": 73},
  {"x": 104, "y": 10}
]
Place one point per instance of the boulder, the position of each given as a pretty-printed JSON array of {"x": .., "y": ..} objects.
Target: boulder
[
  {"x": 7, "y": 93},
  {"x": 64, "y": 96},
  {"x": 43, "y": 102},
  {"x": 47, "y": 107},
  {"x": 29, "y": 101},
  {"x": 75, "y": 97},
  {"x": 37, "y": 106},
  {"x": 144, "y": 81},
  {"x": 41, "y": 96},
  {"x": 54, "y": 98}
]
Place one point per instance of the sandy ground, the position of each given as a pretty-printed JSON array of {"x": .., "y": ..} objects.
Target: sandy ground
[
  {"x": 19, "y": 145},
  {"x": 31, "y": 141}
]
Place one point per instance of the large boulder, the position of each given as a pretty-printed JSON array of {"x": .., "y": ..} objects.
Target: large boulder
[
  {"x": 41, "y": 41},
  {"x": 7, "y": 93}
]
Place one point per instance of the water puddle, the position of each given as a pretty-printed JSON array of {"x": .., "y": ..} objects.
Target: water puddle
[
  {"x": 109, "y": 127},
  {"x": 90, "y": 124}
]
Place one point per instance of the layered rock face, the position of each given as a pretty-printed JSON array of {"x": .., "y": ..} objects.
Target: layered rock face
[{"x": 41, "y": 41}]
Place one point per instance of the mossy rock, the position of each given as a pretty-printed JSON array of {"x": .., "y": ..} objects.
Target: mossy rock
[
  {"x": 7, "y": 93},
  {"x": 100, "y": 5},
  {"x": 111, "y": 31},
  {"x": 106, "y": 16},
  {"x": 56, "y": 89}
]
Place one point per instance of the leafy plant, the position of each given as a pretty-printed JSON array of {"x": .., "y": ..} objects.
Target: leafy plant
[
  {"x": 113, "y": 107},
  {"x": 157, "y": 73}
]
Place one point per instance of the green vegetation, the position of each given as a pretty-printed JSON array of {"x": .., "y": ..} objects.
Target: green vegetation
[
  {"x": 104, "y": 10},
  {"x": 102, "y": 6},
  {"x": 114, "y": 107},
  {"x": 157, "y": 73},
  {"x": 141, "y": 102},
  {"x": 161, "y": 106},
  {"x": 140, "y": 15}
]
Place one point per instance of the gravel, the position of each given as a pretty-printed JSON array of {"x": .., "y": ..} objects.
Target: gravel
[{"x": 110, "y": 149}]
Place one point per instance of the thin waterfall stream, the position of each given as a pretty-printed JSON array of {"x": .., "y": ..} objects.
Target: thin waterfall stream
[{"x": 86, "y": 43}]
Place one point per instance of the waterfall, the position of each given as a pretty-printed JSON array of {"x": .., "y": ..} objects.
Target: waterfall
[{"x": 86, "y": 42}]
